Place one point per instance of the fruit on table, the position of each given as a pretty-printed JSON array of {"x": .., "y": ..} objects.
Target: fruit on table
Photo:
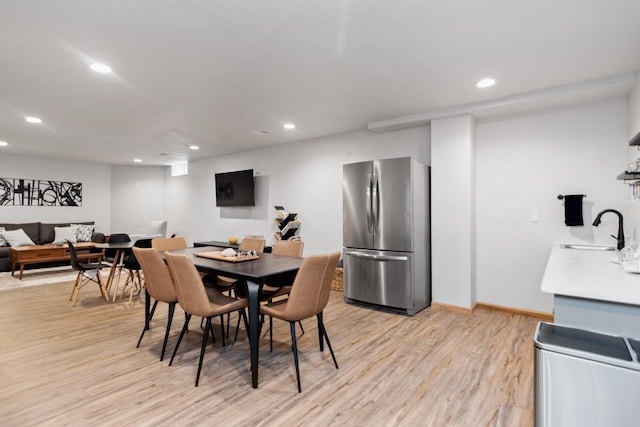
[{"x": 233, "y": 240}]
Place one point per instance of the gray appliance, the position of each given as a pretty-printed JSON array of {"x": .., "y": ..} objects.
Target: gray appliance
[
  {"x": 386, "y": 234},
  {"x": 585, "y": 378}
]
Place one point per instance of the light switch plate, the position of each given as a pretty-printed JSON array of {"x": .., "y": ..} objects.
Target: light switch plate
[{"x": 534, "y": 215}]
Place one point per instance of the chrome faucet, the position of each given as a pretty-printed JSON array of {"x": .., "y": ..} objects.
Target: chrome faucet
[{"x": 620, "y": 237}]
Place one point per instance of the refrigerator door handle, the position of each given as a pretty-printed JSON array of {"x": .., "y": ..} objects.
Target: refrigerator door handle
[
  {"x": 377, "y": 257},
  {"x": 369, "y": 214},
  {"x": 375, "y": 202}
]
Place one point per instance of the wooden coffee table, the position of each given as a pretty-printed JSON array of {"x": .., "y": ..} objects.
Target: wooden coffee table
[{"x": 23, "y": 255}]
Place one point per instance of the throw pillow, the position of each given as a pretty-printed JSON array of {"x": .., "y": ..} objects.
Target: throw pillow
[
  {"x": 63, "y": 234},
  {"x": 83, "y": 232},
  {"x": 17, "y": 238},
  {"x": 2, "y": 241}
]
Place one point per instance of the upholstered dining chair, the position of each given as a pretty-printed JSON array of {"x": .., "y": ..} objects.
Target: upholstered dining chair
[
  {"x": 279, "y": 285},
  {"x": 227, "y": 284},
  {"x": 197, "y": 300},
  {"x": 87, "y": 272},
  {"x": 309, "y": 296},
  {"x": 158, "y": 229},
  {"x": 159, "y": 285},
  {"x": 169, "y": 243}
]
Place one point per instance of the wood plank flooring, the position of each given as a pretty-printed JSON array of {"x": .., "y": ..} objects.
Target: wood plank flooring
[{"x": 78, "y": 366}]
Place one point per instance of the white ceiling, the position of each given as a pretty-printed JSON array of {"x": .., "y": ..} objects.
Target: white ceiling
[{"x": 211, "y": 72}]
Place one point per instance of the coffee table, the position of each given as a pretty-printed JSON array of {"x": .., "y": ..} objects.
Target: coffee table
[{"x": 23, "y": 255}]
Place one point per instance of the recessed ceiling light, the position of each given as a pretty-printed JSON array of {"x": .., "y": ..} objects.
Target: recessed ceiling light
[
  {"x": 33, "y": 119},
  {"x": 194, "y": 147},
  {"x": 100, "y": 68},
  {"x": 137, "y": 160},
  {"x": 289, "y": 126},
  {"x": 3, "y": 143},
  {"x": 488, "y": 82}
]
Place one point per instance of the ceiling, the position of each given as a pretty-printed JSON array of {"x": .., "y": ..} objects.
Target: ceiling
[{"x": 211, "y": 73}]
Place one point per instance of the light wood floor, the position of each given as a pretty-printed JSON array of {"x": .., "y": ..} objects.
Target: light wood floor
[{"x": 79, "y": 366}]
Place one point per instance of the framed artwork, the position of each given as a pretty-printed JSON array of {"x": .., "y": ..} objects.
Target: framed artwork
[{"x": 39, "y": 192}]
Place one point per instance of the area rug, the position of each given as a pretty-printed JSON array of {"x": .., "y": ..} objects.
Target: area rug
[{"x": 35, "y": 277}]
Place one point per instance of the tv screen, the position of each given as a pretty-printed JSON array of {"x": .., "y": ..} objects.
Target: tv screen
[{"x": 235, "y": 188}]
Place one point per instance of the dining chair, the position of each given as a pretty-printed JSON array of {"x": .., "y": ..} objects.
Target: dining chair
[
  {"x": 110, "y": 254},
  {"x": 279, "y": 285},
  {"x": 87, "y": 272},
  {"x": 169, "y": 243},
  {"x": 158, "y": 228},
  {"x": 309, "y": 296},
  {"x": 227, "y": 284},
  {"x": 159, "y": 285},
  {"x": 133, "y": 268},
  {"x": 197, "y": 300}
]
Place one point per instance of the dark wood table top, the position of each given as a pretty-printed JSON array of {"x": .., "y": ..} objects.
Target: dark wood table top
[{"x": 256, "y": 270}]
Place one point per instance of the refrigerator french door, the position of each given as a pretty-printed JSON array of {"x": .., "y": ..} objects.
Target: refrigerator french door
[{"x": 386, "y": 234}]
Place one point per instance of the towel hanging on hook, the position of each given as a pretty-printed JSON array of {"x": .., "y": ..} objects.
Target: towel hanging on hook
[{"x": 572, "y": 209}]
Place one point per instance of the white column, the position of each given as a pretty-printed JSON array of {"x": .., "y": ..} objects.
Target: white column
[{"x": 453, "y": 211}]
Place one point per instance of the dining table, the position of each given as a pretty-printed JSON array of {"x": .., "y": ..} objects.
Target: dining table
[{"x": 253, "y": 273}]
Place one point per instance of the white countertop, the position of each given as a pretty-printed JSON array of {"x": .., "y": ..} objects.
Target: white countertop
[{"x": 589, "y": 274}]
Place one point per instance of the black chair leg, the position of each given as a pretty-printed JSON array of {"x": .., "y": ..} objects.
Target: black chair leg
[
  {"x": 172, "y": 309},
  {"x": 237, "y": 326},
  {"x": 323, "y": 331},
  {"x": 148, "y": 320},
  {"x": 184, "y": 329},
  {"x": 213, "y": 337},
  {"x": 270, "y": 333},
  {"x": 320, "y": 334},
  {"x": 295, "y": 353},
  {"x": 222, "y": 328},
  {"x": 301, "y": 328},
  {"x": 147, "y": 306},
  {"x": 242, "y": 314},
  {"x": 207, "y": 327}
]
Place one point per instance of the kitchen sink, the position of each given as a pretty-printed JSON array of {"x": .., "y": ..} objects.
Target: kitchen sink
[{"x": 588, "y": 247}]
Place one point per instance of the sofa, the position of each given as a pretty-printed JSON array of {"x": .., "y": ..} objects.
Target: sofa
[{"x": 41, "y": 233}]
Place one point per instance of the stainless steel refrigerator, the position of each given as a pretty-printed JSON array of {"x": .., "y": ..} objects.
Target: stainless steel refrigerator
[{"x": 386, "y": 234}]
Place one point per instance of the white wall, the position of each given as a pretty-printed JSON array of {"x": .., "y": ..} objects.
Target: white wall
[
  {"x": 522, "y": 164},
  {"x": 96, "y": 190},
  {"x": 304, "y": 177},
  {"x": 452, "y": 211},
  {"x": 137, "y": 197}
]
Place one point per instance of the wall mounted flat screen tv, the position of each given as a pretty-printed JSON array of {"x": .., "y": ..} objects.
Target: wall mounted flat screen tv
[{"x": 235, "y": 188}]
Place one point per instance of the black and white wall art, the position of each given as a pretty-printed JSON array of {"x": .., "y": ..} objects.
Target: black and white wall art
[{"x": 39, "y": 192}]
